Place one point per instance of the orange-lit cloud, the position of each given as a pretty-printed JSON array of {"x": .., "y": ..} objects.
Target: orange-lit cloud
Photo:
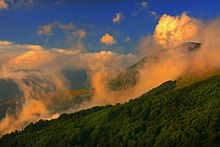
[
  {"x": 5, "y": 43},
  {"x": 108, "y": 39},
  {"x": 80, "y": 34},
  {"x": 48, "y": 28},
  {"x": 117, "y": 18},
  {"x": 45, "y": 29},
  {"x": 38, "y": 73},
  {"x": 3, "y": 5},
  {"x": 173, "y": 31}
]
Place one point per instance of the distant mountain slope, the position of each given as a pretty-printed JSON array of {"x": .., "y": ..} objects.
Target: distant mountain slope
[
  {"x": 164, "y": 116},
  {"x": 8, "y": 89},
  {"x": 130, "y": 76},
  {"x": 78, "y": 79},
  {"x": 7, "y": 106}
]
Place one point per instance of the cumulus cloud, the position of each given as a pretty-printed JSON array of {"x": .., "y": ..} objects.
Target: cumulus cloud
[
  {"x": 3, "y": 5},
  {"x": 108, "y": 39},
  {"x": 172, "y": 31},
  {"x": 117, "y": 18}
]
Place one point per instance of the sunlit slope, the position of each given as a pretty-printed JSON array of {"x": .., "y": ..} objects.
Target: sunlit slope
[
  {"x": 165, "y": 116},
  {"x": 130, "y": 76}
]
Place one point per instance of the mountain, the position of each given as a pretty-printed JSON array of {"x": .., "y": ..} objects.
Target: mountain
[
  {"x": 164, "y": 116},
  {"x": 130, "y": 76},
  {"x": 79, "y": 83},
  {"x": 78, "y": 79},
  {"x": 9, "y": 89},
  {"x": 8, "y": 106}
]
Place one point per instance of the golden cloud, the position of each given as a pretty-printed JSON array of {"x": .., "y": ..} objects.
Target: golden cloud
[
  {"x": 45, "y": 29},
  {"x": 108, "y": 39},
  {"x": 172, "y": 31},
  {"x": 117, "y": 18},
  {"x": 5, "y": 43},
  {"x": 3, "y": 5}
]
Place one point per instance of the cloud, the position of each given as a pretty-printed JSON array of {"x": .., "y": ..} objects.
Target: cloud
[
  {"x": 5, "y": 43},
  {"x": 108, "y": 39},
  {"x": 48, "y": 28},
  {"x": 154, "y": 14},
  {"x": 75, "y": 39},
  {"x": 45, "y": 29},
  {"x": 9, "y": 50},
  {"x": 34, "y": 47},
  {"x": 171, "y": 31},
  {"x": 80, "y": 34},
  {"x": 127, "y": 39},
  {"x": 117, "y": 18},
  {"x": 65, "y": 27},
  {"x": 140, "y": 7},
  {"x": 38, "y": 73},
  {"x": 3, "y": 5},
  {"x": 24, "y": 3},
  {"x": 67, "y": 51}
]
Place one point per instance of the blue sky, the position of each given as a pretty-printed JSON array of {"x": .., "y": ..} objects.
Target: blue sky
[{"x": 21, "y": 20}]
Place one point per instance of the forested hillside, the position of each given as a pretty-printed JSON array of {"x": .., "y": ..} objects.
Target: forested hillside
[{"x": 165, "y": 116}]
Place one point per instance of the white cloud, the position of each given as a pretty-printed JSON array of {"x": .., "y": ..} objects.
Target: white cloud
[
  {"x": 108, "y": 39},
  {"x": 117, "y": 18}
]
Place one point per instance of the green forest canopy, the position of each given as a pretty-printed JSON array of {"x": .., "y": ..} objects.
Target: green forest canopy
[{"x": 164, "y": 116}]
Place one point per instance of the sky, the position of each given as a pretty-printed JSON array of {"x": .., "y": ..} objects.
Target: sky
[{"x": 62, "y": 23}]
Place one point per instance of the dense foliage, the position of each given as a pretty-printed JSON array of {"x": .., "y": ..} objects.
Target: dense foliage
[{"x": 165, "y": 116}]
